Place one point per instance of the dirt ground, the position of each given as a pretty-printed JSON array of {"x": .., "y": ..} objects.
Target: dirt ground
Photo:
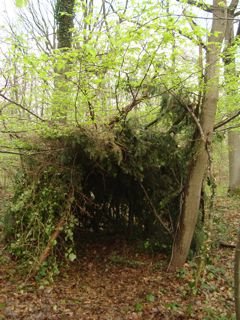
[{"x": 113, "y": 281}]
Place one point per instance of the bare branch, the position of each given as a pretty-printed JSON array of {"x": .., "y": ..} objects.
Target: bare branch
[
  {"x": 157, "y": 216},
  {"x": 236, "y": 14},
  {"x": 196, "y": 120},
  {"x": 124, "y": 112},
  {"x": 126, "y": 6},
  {"x": 12, "y": 152},
  {"x": 20, "y": 106},
  {"x": 233, "y": 5},
  {"x": 223, "y": 122},
  {"x": 193, "y": 24},
  {"x": 229, "y": 128}
]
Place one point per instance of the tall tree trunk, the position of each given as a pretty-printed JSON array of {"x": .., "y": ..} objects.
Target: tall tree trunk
[
  {"x": 189, "y": 214},
  {"x": 64, "y": 17},
  {"x": 234, "y": 161},
  {"x": 230, "y": 70},
  {"x": 61, "y": 96},
  {"x": 237, "y": 278}
]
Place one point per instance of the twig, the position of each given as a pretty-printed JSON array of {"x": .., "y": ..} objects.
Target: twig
[
  {"x": 124, "y": 112},
  {"x": 196, "y": 120},
  {"x": 154, "y": 209},
  {"x": 227, "y": 245}
]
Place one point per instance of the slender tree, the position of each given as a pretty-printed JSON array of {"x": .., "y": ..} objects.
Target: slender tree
[{"x": 192, "y": 193}]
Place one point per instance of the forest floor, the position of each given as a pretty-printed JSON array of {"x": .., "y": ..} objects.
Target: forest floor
[{"x": 117, "y": 282}]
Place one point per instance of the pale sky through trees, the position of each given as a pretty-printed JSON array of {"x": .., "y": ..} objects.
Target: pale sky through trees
[{"x": 8, "y": 9}]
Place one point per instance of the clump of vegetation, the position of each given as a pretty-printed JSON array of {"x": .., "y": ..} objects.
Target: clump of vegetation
[{"x": 122, "y": 181}]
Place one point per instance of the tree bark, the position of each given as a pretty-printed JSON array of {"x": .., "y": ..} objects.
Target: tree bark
[
  {"x": 61, "y": 96},
  {"x": 234, "y": 161},
  {"x": 189, "y": 215},
  {"x": 64, "y": 17},
  {"x": 230, "y": 70},
  {"x": 237, "y": 278}
]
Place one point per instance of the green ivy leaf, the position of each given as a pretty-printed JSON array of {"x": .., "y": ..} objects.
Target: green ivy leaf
[{"x": 72, "y": 257}]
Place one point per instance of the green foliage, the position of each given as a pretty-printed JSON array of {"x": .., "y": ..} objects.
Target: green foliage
[
  {"x": 36, "y": 207},
  {"x": 150, "y": 297},
  {"x": 138, "y": 307},
  {"x": 173, "y": 306},
  {"x": 103, "y": 70}
]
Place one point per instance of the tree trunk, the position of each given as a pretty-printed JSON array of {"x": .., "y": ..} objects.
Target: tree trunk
[
  {"x": 234, "y": 161},
  {"x": 64, "y": 17},
  {"x": 61, "y": 103},
  {"x": 230, "y": 70},
  {"x": 237, "y": 278},
  {"x": 188, "y": 217}
]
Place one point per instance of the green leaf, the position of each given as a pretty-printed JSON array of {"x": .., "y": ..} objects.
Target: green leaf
[
  {"x": 138, "y": 307},
  {"x": 72, "y": 256},
  {"x": 150, "y": 297},
  {"x": 21, "y": 3},
  {"x": 2, "y": 305}
]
